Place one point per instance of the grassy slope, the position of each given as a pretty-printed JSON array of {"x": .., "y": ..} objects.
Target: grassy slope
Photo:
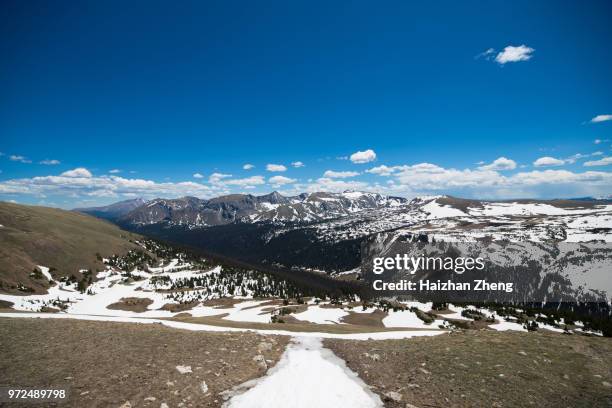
[{"x": 65, "y": 240}]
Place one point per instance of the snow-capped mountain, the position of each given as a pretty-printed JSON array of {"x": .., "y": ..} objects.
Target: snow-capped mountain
[
  {"x": 451, "y": 218},
  {"x": 324, "y": 231},
  {"x": 246, "y": 208}
]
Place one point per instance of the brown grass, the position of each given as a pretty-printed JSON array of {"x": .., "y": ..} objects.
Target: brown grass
[
  {"x": 105, "y": 364},
  {"x": 132, "y": 304},
  {"x": 291, "y": 324},
  {"x": 64, "y": 240},
  {"x": 222, "y": 303},
  {"x": 373, "y": 319},
  {"x": 480, "y": 368},
  {"x": 178, "y": 307}
]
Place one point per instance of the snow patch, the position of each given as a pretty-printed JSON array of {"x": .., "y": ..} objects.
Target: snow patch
[
  {"x": 321, "y": 315},
  {"x": 323, "y": 380},
  {"x": 45, "y": 271}
]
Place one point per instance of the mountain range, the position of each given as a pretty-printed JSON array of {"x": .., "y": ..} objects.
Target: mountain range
[
  {"x": 273, "y": 207},
  {"x": 324, "y": 231}
]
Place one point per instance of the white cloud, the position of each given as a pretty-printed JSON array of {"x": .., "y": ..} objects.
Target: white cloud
[
  {"x": 107, "y": 186},
  {"x": 114, "y": 171},
  {"x": 245, "y": 182},
  {"x": 220, "y": 180},
  {"x": 335, "y": 185},
  {"x": 49, "y": 162},
  {"x": 297, "y": 164},
  {"x": 101, "y": 193},
  {"x": 408, "y": 180},
  {"x": 430, "y": 177},
  {"x": 606, "y": 161},
  {"x": 78, "y": 172},
  {"x": 578, "y": 156},
  {"x": 248, "y": 166},
  {"x": 198, "y": 175},
  {"x": 280, "y": 180},
  {"x": 276, "y": 167},
  {"x": 514, "y": 54},
  {"x": 601, "y": 118},
  {"x": 574, "y": 158},
  {"x": 19, "y": 159},
  {"x": 548, "y": 161},
  {"x": 383, "y": 170},
  {"x": 340, "y": 174},
  {"x": 427, "y": 176},
  {"x": 488, "y": 54},
  {"x": 501, "y": 163},
  {"x": 538, "y": 177},
  {"x": 216, "y": 178},
  {"x": 365, "y": 156}
]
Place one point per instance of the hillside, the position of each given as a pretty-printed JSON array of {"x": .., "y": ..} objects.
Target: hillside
[{"x": 63, "y": 241}]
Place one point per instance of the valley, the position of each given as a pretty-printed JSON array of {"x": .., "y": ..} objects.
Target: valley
[{"x": 252, "y": 326}]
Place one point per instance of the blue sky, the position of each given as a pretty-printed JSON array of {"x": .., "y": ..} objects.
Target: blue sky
[{"x": 161, "y": 91}]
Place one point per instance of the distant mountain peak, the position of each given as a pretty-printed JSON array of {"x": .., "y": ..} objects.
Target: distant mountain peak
[
  {"x": 272, "y": 207},
  {"x": 114, "y": 211}
]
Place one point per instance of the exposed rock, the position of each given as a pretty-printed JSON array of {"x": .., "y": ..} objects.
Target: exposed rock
[
  {"x": 204, "y": 387},
  {"x": 373, "y": 356},
  {"x": 264, "y": 346},
  {"x": 261, "y": 361},
  {"x": 393, "y": 396},
  {"x": 183, "y": 369}
]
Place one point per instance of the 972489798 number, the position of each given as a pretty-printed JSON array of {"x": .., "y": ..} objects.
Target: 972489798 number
[{"x": 32, "y": 394}]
